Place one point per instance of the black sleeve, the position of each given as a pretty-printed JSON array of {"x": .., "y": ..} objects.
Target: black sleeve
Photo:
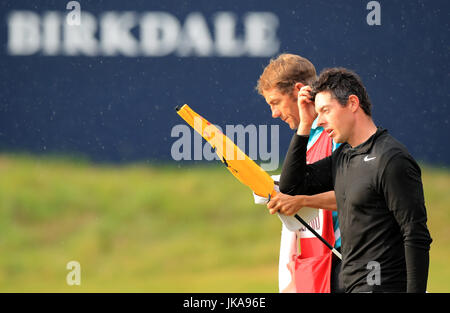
[
  {"x": 299, "y": 178},
  {"x": 403, "y": 190}
]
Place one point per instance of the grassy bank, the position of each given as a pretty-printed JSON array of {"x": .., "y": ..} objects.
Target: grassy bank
[{"x": 143, "y": 228}]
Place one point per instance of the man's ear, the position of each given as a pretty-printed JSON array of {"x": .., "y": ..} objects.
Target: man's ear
[
  {"x": 353, "y": 102},
  {"x": 297, "y": 87}
]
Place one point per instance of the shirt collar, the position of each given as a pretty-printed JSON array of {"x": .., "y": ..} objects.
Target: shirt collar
[{"x": 367, "y": 145}]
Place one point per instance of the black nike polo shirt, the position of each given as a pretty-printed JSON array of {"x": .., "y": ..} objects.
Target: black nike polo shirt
[{"x": 381, "y": 210}]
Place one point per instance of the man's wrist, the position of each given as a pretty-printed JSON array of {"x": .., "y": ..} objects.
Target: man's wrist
[
  {"x": 304, "y": 129},
  {"x": 306, "y": 200},
  {"x": 301, "y": 200}
]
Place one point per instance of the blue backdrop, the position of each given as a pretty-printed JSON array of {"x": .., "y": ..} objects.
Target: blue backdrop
[{"x": 117, "y": 104}]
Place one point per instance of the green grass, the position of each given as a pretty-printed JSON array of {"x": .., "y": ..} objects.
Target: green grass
[
  {"x": 436, "y": 184},
  {"x": 142, "y": 228}
]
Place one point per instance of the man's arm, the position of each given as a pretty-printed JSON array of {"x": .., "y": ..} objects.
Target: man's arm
[
  {"x": 403, "y": 191},
  {"x": 324, "y": 200},
  {"x": 298, "y": 178},
  {"x": 302, "y": 180},
  {"x": 290, "y": 205}
]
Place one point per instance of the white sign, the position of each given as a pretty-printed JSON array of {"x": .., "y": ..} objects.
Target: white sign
[{"x": 149, "y": 34}]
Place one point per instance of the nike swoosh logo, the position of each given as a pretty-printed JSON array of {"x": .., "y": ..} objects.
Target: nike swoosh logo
[{"x": 368, "y": 159}]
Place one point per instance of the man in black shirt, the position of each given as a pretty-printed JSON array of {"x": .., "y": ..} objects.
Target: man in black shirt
[{"x": 379, "y": 193}]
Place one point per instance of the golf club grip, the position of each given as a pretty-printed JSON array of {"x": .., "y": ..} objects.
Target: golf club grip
[{"x": 318, "y": 236}]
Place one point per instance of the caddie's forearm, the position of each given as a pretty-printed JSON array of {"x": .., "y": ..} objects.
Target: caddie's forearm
[{"x": 325, "y": 200}]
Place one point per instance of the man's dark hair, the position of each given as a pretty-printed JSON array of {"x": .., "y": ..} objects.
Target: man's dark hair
[{"x": 342, "y": 83}]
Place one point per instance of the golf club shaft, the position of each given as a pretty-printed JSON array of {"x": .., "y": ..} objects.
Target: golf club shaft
[{"x": 318, "y": 236}]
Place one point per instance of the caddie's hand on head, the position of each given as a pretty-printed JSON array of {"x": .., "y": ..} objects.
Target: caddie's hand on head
[{"x": 306, "y": 110}]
